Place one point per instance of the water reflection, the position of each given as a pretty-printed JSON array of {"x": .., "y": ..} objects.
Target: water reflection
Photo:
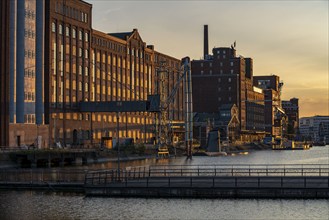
[{"x": 316, "y": 155}]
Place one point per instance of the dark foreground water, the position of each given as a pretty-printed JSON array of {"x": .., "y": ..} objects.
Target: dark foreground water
[
  {"x": 49, "y": 205},
  {"x": 31, "y": 205}
]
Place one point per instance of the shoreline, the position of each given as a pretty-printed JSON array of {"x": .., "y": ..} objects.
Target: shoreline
[{"x": 106, "y": 156}]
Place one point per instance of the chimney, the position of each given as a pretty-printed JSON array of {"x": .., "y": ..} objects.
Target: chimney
[{"x": 205, "y": 42}]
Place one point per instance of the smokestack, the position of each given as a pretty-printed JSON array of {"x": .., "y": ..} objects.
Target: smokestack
[{"x": 205, "y": 41}]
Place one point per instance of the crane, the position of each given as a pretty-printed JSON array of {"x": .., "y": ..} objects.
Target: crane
[{"x": 165, "y": 123}]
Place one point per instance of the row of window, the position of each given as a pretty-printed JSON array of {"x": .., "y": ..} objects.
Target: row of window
[
  {"x": 71, "y": 12},
  {"x": 29, "y": 96},
  {"x": 109, "y": 45},
  {"x": 104, "y": 118},
  {"x": 228, "y": 80},
  {"x": 30, "y": 14},
  {"x": 29, "y": 34},
  {"x": 68, "y": 32},
  {"x": 221, "y": 64},
  {"x": 29, "y": 73},
  {"x": 29, "y": 119},
  {"x": 29, "y": 54}
]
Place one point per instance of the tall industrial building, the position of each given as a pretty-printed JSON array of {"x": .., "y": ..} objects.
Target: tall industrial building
[
  {"x": 26, "y": 118},
  {"x": 223, "y": 78},
  {"x": 83, "y": 64},
  {"x": 291, "y": 109},
  {"x": 57, "y": 60},
  {"x": 4, "y": 72},
  {"x": 274, "y": 114}
]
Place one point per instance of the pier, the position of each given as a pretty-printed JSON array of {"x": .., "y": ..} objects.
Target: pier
[
  {"x": 183, "y": 181},
  {"x": 237, "y": 181}
]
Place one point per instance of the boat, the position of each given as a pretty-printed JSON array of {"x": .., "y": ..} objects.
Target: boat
[{"x": 291, "y": 145}]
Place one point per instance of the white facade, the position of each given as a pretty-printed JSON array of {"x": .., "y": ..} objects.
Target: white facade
[{"x": 315, "y": 127}]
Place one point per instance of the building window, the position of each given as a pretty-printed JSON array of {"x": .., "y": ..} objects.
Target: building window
[
  {"x": 87, "y": 54},
  {"x": 67, "y": 31},
  {"x": 86, "y": 71},
  {"x": 86, "y": 37},
  {"x": 219, "y": 79},
  {"x": 210, "y": 64},
  {"x": 201, "y": 64},
  {"x": 53, "y": 27},
  {"x": 60, "y": 29},
  {"x": 232, "y": 71},
  {"x": 231, "y": 63},
  {"x": 74, "y": 33},
  {"x": 80, "y": 35},
  {"x": 229, "y": 80}
]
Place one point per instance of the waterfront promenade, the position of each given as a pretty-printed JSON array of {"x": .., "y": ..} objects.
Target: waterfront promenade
[{"x": 200, "y": 181}]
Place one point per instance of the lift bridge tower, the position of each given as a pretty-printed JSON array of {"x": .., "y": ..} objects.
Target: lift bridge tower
[{"x": 164, "y": 118}]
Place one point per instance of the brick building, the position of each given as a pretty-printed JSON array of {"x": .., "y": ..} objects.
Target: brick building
[
  {"x": 83, "y": 64},
  {"x": 291, "y": 109},
  {"x": 4, "y": 72},
  {"x": 223, "y": 78},
  {"x": 274, "y": 114},
  {"x": 61, "y": 61}
]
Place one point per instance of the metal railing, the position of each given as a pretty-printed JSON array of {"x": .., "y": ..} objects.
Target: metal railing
[
  {"x": 205, "y": 171},
  {"x": 241, "y": 170}
]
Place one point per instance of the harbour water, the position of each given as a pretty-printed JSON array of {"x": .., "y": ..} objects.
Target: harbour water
[{"x": 50, "y": 205}]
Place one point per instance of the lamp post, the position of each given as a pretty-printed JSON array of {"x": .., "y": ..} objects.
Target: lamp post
[{"x": 118, "y": 144}]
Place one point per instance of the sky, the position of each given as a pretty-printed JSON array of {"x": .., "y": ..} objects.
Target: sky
[{"x": 285, "y": 38}]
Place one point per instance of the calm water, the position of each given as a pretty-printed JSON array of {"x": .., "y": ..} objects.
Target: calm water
[{"x": 37, "y": 205}]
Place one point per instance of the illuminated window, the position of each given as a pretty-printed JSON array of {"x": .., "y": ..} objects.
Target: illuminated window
[
  {"x": 53, "y": 27},
  {"x": 74, "y": 33}
]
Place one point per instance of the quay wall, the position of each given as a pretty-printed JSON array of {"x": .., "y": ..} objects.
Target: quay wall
[{"x": 183, "y": 192}]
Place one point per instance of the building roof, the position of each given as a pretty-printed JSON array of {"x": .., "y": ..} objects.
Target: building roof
[{"x": 122, "y": 35}]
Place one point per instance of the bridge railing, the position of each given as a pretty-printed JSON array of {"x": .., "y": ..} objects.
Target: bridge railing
[
  {"x": 102, "y": 177},
  {"x": 240, "y": 170}
]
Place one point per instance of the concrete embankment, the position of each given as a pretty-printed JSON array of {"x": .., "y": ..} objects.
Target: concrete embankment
[{"x": 44, "y": 186}]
